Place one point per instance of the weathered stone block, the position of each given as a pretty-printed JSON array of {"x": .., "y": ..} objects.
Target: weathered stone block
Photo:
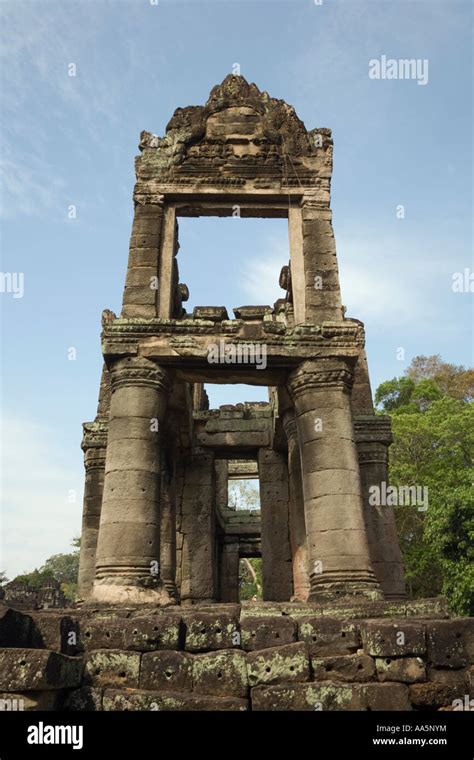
[
  {"x": 142, "y": 240},
  {"x": 143, "y": 257},
  {"x": 449, "y": 642},
  {"x": 15, "y": 628},
  {"x": 328, "y": 636},
  {"x": 85, "y": 699},
  {"x": 429, "y": 696},
  {"x": 406, "y": 669},
  {"x": 394, "y": 639},
  {"x": 307, "y": 697},
  {"x": 37, "y": 670},
  {"x": 136, "y": 699},
  {"x": 347, "y": 668},
  {"x": 222, "y": 674},
  {"x": 102, "y": 633},
  {"x": 279, "y": 664},
  {"x": 386, "y": 696},
  {"x": 139, "y": 295},
  {"x": 461, "y": 680},
  {"x": 166, "y": 671},
  {"x": 262, "y": 633},
  {"x": 146, "y": 634},
  {"x": 205, "y": 631},
  {"x": 113, "y": 668},
  {"x": 141, "y": 276},
  {"x": 56, "y": 631}
]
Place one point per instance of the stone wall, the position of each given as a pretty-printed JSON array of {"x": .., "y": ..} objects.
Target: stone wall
[{"x": 254, "y": 656}]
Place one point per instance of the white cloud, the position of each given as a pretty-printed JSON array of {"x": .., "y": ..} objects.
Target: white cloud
[
  {"x": 24, "y": 189},
  {"x": 37, "y": 518},
  {"x": 42, "y": 105},
  {"x": 385, "y": 282},
  {"x": 260, "y": 277}
]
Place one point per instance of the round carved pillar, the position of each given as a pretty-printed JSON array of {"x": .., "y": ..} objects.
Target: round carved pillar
[
  {"x": 338, "y": 553},
  {"x": 296, "y": 510},
  {"x": 128, "y": 551},
  {"x": 94, "y": 446},
  {"x": 373, "y": 437}
]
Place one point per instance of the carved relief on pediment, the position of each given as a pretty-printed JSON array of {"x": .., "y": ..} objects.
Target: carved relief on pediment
[{"x": 240, "y": 131}]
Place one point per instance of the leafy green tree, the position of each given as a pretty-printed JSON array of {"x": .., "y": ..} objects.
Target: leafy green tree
[
  {"x": 395, "y": 393},
  {"x": 63, "y": 568},
  {"x": 3, "y": 578},
  {"x": 433, "y": 427},
  {"x": 36, "y": 579},
  {"x": 250, "y": 578}
]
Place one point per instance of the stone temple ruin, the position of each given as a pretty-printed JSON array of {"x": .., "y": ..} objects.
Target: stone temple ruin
[
  {"x": 156, "y": 524},
  {"x": 160, "y": 622}
]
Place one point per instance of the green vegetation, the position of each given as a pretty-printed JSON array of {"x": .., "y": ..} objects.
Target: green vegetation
[
  {"x": 433, "y": 426},
  {"x": 250, "y": 579},
  {"x": 63, "y": 568}
]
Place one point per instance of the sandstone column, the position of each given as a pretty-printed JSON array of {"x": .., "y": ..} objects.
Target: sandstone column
[
  {"x": 128, "y": 551},
  {"x": 276, "y": 553},
  {"x": 296, "y": 510},
  {"x": 373, "y": 437},
  {"x": 140, "y": 294},
  {"x": 197, "y": 524},
  {"x": 94, "y": 445},
  {"x": 338, "y": 552},
  {"x": 315, "y": 274}
]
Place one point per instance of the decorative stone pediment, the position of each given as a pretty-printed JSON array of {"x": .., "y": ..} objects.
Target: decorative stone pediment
[{"x": 240, "y": 132}]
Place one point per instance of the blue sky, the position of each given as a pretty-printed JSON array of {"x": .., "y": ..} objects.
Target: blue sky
[{"x": 72, "y": 141}]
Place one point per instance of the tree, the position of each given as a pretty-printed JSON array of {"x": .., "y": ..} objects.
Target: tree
[
  {"x": 250, "y": 578},
  {"x": 62, "y": 568},
  {"x": 453, "y": 379},
  {"x": 449, "y": 379},
  {"x": 433, "y": 427},
  {"x": 3, "y": 578},
  {"x": 243, "y": 494}
]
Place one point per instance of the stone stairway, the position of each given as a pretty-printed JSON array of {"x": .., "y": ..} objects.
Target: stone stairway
[{"x": 254, "y": 656}]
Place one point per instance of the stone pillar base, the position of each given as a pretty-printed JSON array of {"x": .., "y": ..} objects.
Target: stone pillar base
[
  {"x": 170, "y": 588},
  {"x": 125, "y": 591},
  {"x": 342, "y": 590}
]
